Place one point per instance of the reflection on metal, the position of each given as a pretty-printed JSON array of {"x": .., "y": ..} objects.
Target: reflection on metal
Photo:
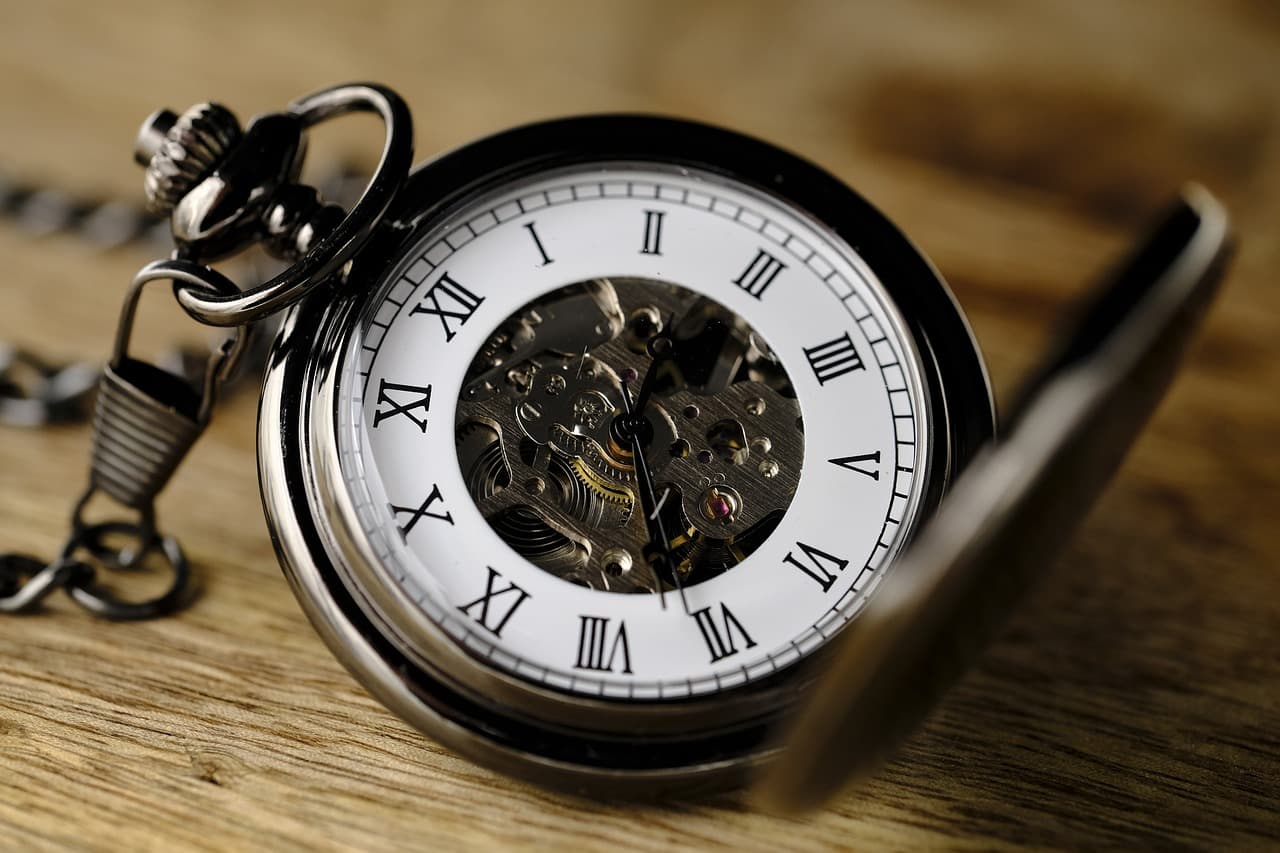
[{"x": 1009, "y": 513}]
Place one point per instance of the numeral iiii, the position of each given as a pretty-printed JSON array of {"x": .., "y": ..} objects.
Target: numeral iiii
[
  {"x": 593, "y": 639},
  {"x": 834, "y": 358},
  {"x": 721, "y": 645},
  {"x": 448, "y": 301},
  {"x": 504, "y": 609}
]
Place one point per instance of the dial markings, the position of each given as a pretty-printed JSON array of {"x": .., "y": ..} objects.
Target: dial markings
[
  {"x": 416, "y": 514},
  {"x": 518, "y": 651},
  {"x": 402, "y": 400},
  {"x": 459, "y": 304},
  {"x": 819, "y": 560},
  {"x": 503, "y": 612},
  {"x": 593, "y": 640},
  {"x": 834, "y": 358},
  {"x": 652, "y": 232},
  {"x": 759, "y": 274},
  {"x": 546, "y": 259},
  {"x": 855, "y": 463},
  {"x": 721, "y": 643}
]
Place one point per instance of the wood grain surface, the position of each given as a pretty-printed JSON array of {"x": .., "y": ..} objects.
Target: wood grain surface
[{"x": 1135, "y": 700}]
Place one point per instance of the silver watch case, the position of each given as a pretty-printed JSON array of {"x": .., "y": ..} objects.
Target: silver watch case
[{"x": 594, "y": 746}]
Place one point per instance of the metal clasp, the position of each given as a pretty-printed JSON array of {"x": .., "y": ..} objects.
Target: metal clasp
[{"x": 147, "y": 418}]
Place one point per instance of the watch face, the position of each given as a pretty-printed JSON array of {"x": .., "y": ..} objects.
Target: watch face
[{"x": 534, "y": 339}]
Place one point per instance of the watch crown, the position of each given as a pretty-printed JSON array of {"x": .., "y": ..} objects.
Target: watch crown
[{"x": 180, "y": 151}]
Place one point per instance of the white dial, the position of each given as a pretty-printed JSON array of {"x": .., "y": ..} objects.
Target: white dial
[{"x": 809, "y": 448}]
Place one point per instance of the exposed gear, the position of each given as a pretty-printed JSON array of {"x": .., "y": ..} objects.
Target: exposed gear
[{"x": 547, "y": 464}]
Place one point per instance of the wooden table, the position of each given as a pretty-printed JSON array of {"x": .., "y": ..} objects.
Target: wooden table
[{"x": 1135, "y": 700}]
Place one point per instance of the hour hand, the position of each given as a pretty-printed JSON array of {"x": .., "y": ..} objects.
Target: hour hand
[{"x": 659, "y": 546}]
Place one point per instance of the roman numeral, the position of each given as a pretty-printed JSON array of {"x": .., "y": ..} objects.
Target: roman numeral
[
  {"x": 501, "y": 616},
  {"x": 538, "y": 243},
  {"x": 834, "y": 358},
  {"x": 760, "y": 273},
  {"x": 851, "y": 462},
  {"x": 593, "y": 638},
  {"x": 721, "y": 645},
  {"x": 416, "y": 514},
  {"x": 652, "y": 232},
  {"x": 819, "y": 561},
  {"x": 388, "y": 392},
  {"x": 458, "y": 304}
]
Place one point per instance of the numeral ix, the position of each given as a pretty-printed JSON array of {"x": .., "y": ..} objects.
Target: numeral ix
[{"x": 402, "y": 400}]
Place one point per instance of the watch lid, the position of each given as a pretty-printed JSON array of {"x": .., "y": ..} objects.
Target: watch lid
[{"x": 1014, "y": 507}]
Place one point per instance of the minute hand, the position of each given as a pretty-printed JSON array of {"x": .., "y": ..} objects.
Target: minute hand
[{"x": 648, "y": 502}]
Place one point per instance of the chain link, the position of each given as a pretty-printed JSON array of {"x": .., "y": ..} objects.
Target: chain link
[
  {"x": 35, "y": 392},
  {"x": 147, "y": 415}
]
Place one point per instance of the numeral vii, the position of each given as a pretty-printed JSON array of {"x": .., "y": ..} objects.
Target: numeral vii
[
  {"x": 721, "y": 645},
  {"x": 416, "y": 513},
  {"x": 819, "y": 560},
  {"x": 593, "y": 640},
  {"x": 760, "y": 273},
  {"x": 448, "y": 301},
  {"x": 504, "y": 609},
  {"x": 402, "y": 400},
  {"x": 652, "y": 232},
  {"x": 834, "y": 358}
]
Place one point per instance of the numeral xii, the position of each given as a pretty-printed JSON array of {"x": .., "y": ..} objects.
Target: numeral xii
[{"x": 448, "y": 300}]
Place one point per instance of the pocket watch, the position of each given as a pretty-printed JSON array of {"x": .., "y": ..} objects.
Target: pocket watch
[{"x": 581, "y": 444}]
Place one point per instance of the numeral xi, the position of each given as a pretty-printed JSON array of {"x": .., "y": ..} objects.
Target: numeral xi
[{"x": 500, "y": 616}]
